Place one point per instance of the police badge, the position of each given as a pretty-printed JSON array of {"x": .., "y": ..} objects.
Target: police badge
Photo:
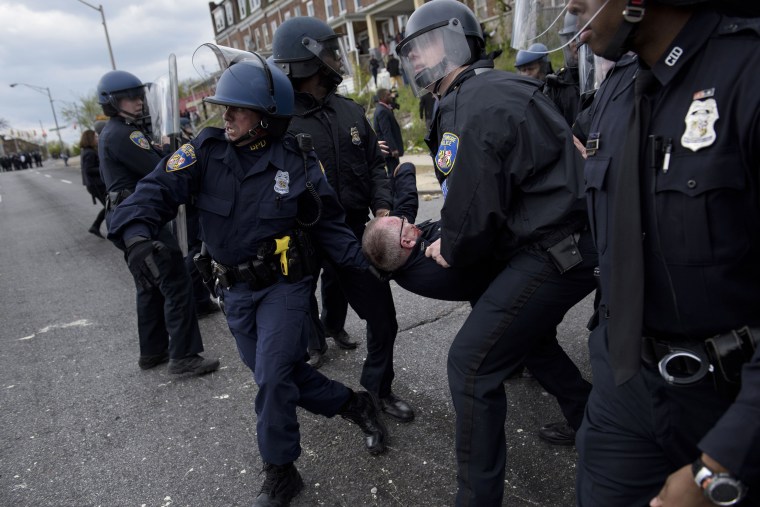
[
  {"x": 282, "y": 182},
  {"x": 700, "y": 124},
  {"x": 355, "y": 136}
]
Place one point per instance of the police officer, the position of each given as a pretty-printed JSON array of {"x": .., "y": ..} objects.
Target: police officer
[
  {"x": 512, "y": 182},
  {"x": 309, "y": 52},
  {"x": 681, "y": 281},
  {"x": 534, "y": 62},
  {"x": 260, "y": 195},
  {"x": 166, "y": 321},
  {"x": 563, "y": 87}
]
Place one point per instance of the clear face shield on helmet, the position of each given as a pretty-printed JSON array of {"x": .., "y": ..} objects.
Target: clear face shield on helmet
[
  {"x": 592, "y": 69},
  {"x": 210, "y": 60},
  {"x": 536, "y": 22},
  {"x": 331, "y": 52},
  {"x": 434, "y": 54}
]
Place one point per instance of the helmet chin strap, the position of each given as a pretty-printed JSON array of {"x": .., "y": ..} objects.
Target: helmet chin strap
[
  {"x": 621, "y": 42},
  {"x": 254, "y": 134}
]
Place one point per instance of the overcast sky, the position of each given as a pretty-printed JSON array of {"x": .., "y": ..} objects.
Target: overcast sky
[{"x": 61, "y": 45}]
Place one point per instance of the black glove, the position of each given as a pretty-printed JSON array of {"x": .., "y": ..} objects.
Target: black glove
[{"x": 141, "y": 261}]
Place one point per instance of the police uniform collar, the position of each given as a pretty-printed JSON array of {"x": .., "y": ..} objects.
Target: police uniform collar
[
  {"x": 482, "y": 65},
  {"x": 695, "y": 34}
]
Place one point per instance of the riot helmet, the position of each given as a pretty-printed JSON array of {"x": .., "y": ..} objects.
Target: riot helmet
[
  {"x": 303, "y": 46},
  {"x": 442, "y": 35},
  {"x": 246, "y": 80},
  {"x": 116, "y": 85},
  {"x": 534, "y": 62}
]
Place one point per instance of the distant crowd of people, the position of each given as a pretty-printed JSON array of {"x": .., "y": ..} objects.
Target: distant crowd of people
[{"x": 23, "y": 160}]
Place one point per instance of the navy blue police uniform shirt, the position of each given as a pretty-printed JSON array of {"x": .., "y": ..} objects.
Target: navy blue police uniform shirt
[
  {"x": 126, "y": 155},
  {"x": 347, "y": 148},
  {"x": 507, "y": 165},
  {"x": 244, "y": 195},
  {"x": 700, "y": 203}
]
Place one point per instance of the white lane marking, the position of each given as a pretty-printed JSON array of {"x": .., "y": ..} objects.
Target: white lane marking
[
  {"x": 48, "y": 176},
  {"x": 79, "y": 323},
  {"x": 66, "y": 181}
]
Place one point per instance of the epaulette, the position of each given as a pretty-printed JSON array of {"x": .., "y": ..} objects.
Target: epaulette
[
  {"x": 733, "y": 25},
  {"x": 209, "y": 133}
]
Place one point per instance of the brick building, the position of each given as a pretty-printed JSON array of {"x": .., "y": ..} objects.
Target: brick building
[{"x": 249, "y": 24}]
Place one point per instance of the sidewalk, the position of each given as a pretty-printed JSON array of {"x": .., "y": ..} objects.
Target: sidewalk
[{"x": 427, "y": 183}]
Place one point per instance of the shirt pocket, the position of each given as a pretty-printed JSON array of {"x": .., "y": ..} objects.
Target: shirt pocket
[
  {"x": 277, "y": 217},
  {"x": 597, "y": 196},
  {"x": 214, "y": 217},
  {"x": 702, "y": 209}
]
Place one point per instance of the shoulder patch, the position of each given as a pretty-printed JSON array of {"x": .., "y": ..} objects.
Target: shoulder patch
[
  {"x": 447, "y": 153},
  {"x": 139, "y": 139},
  {"x": 183, "y": 158}
]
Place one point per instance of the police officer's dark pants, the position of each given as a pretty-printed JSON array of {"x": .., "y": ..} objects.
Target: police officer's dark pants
[
  {"x": 168, "y": 311},
  {"x": 334, "y": 304},
  {"x": 633, "y": 436},
  {"x": 271, "y": 328},
  {"x": 516, "y": 315}
]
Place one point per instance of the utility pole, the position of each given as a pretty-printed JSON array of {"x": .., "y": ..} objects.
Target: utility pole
[
  {"x": 105, "y": 27},
  {"x": 50, "y": 98}
]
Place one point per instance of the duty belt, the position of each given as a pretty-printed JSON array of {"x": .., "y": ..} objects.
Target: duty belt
[
  {"x": 687, "y": 362},
  {"x": 113, "y": 199}
]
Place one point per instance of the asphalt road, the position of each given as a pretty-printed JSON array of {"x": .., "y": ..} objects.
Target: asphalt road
[{"x": 82, "y": 425}]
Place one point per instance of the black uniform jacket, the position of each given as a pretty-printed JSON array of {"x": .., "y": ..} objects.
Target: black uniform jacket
[
  {"x": 126, "y": 155},
  {"x": 347, "y": 148},
  {"x": 508, "y": 167},
  {"x": 700, "y": 203}
]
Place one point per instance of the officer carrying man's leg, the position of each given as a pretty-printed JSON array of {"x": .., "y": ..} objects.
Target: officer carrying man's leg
[{"x": 312, "y": 56}]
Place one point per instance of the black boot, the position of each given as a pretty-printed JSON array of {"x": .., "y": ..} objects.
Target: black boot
[
  {"x": 281, "y": 485},
  {"x": 361, "y": 409}
]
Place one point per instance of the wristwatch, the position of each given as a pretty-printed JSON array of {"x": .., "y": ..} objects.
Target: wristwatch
[{"x": 718, "y": 487}]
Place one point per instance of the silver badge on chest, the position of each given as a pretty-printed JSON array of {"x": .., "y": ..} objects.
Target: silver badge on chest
[
  {"x": 282, "y": 182},
  {"x": 700, "y": 124}
]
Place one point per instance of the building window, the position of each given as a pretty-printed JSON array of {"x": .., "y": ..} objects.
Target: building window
[
  {"x": 357, "y": 5},
  {"x": 297, "y": 11},
  {"x": 255, "y": 4},
  {"x": 310, "y": 9},
  {"x": 329, "y": 9},
  {"x": 241, "y": 8},
  {"x": 248, "y": 43},
  {"x": 230, "y": 14},
  {"x": 219, "y": 20},
  {"x": 258, "y": 39},
  {"x": 287, "y": 14},
  {"x": 274, "y": 27},
  {"x": 265, "y": 33},
  {"x": 342, "y": 6}
]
